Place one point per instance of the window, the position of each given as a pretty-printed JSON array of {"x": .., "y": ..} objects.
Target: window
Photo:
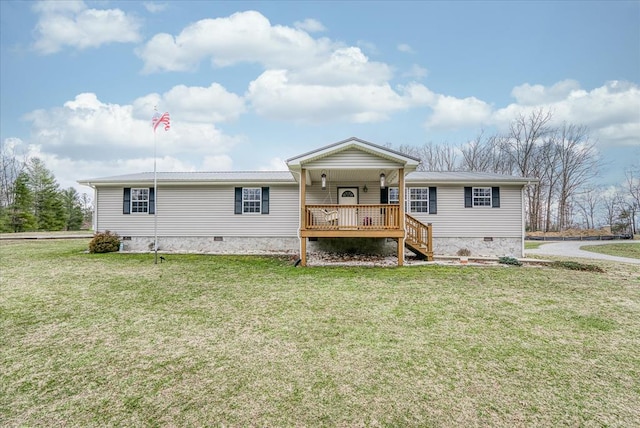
[
  {"x": 418, "y": 199},
  {"x": 138, "y": 200},
  {"x": 394, "y": 195},
  {"x": 252, "y": 200},
  {"x": 482, "y": 196}
]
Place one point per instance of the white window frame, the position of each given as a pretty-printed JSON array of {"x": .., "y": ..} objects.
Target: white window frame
[
  {"x": 396, "y": 196},
  {"x": 481, "y": 197},
  {"x": 139, "y": 200},
  {"x": 423, "y": 201},
  {"x": 252, "y": 200},
  {"x": 393, "y": 198}
]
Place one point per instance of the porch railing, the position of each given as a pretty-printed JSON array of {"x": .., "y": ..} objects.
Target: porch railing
[
  {"x": 352, "y": 217},
  {"x": 419, "y": 234}
]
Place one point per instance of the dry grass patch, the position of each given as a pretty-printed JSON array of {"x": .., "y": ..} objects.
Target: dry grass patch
[{"x": 113, "y": 339}]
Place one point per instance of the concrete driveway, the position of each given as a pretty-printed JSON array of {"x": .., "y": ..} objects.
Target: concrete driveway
[{"x": 572, "y": 249}]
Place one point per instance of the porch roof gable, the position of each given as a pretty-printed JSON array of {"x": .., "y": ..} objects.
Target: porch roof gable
[{"x": 410, "y": 163}]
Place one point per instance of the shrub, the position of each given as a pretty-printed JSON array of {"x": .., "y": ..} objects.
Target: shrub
[
  {"x": 509, "y": 261},
  {"x": 464, "y": 252},
  {"x": 104, "y": 242},
  {"x": 577, "y": 266}
]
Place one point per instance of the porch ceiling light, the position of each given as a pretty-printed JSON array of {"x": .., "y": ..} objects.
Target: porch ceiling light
[
  {"x": 324, "y": 180},
  {"x": 383, "y": 180}
]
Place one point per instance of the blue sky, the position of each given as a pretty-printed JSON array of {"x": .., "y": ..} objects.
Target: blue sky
[{"x": 250, "y": 84}]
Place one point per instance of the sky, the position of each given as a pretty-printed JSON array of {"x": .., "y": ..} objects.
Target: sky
[{"x": 251, "y": 84}]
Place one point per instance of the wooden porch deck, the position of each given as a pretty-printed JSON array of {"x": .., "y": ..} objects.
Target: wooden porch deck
[
  {"x": 367, "y": 221},
  {"x": 375, "y": 220}
]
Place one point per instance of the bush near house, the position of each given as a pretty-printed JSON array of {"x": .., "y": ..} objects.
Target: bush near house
[{"x": 104, "y": 242}]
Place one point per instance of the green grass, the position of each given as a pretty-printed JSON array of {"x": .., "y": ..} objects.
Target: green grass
[
  {"x": 114, "y": 340},
  {"x": 628, "y": 249},
  {"x": 532, "y": 245}
]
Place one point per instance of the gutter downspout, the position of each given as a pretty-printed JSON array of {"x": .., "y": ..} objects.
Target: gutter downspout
[{"x": 523, "y": 220}]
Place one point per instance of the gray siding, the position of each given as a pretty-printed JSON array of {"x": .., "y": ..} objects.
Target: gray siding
[
  {"x": 352, "y": 159},
  {"x": 315, "y": 194},
  {"x": 201, "y": 211},
  {"x": 454, "y": 220}
]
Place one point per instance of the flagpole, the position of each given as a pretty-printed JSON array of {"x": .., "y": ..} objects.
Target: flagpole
[
  {"x": 157, "y": 120},
  {"x": 155, "y": 201}
]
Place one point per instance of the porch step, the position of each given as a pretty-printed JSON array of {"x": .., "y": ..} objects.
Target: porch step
[{"x": 420, "y": 250}]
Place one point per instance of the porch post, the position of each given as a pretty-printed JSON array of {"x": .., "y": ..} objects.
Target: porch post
[
  {"x": 303, "y": 219},
  {"x": 402, "y": 216}
]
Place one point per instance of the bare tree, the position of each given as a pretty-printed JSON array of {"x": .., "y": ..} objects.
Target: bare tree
[
  {"x": 612, "y": 202},
  {"x": 12, "y": 164},
  {"x": 588, "y": 201},
  {"x": 578, "y": 163},
  {"x": 434, "y": 157},
  {"x": 526, "y": 133},
  {"x": 489, "y": 154},
  {"x": 632, "y": 182}
]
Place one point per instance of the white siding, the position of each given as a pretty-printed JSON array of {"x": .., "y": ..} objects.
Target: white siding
[
  {"x": 454, "y": 220},
  {"x": 201, "y": 211},
  {"x": 352, "y": 159}
]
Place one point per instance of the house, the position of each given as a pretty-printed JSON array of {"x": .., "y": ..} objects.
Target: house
[{"x": 351, "y": 196}]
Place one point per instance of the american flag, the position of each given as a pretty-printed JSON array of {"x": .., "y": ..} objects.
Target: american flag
[{"x": 158, "y": 119}]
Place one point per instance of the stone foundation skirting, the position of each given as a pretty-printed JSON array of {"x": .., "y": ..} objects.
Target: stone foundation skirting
[
  {"x": 290, "y": 245},
  {"x": 211, "y": 245},
  {"x": 498, "y": 247}
]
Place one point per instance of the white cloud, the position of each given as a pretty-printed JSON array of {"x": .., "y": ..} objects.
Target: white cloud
[
  {"x": 197, "y": 104},
  {"x": 451, "y": 113},
  {"x": 275, "y": 164},
  {"x": 612, "y": 111},
  {"x": 110, "y": 139},
  {"x": 416, "y": 72},
  {"x": 344, "y": 66},
  {"x": 403, "y": 47},
  {"x": 72, "y": 23},
  {"x": 154, "y": 7},
  {"x": 528, "y": 95},
  {"x": 274, "y": 96},
  {"x": 241, "y": 37},
  {"x": 310, "y": 26}
]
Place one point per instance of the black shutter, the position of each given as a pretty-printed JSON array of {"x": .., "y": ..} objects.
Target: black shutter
[
  {"x": 433, "y": 200},
  {"x": 238, "y": 205},
  {"x": 495, "y": 197},
  {"x": 126, "y": 201},
  {"x": 265, "y": 200},
  {"x": 384, "y": 195},
  {"x": 152, "y": 200},
  {"x": 468, "y": 197}
]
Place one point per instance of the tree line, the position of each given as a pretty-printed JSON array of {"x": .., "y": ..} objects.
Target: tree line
[
  {"x": 564, "y": 159},
  {"x": 31, "y": 199}
]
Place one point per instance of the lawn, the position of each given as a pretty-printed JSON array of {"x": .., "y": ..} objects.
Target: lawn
[
  {"x": 627, "y": 249},
  {"x": 95, "y": 340},
  {"x": 532, "y": 245}
]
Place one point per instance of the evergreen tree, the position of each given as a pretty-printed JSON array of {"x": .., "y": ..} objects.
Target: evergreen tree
[
  {"x": 73, "y": 209},
  {"x": 48, "y": 204},
  {"x": 21, "y": 218}
]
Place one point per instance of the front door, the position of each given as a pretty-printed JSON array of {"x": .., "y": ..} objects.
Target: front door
[{"x": 348, "y": 215}]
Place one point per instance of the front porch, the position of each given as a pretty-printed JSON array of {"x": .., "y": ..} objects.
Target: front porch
[
  {"x": 356, "y": 175},
  {"x": 367, "y": 221}
]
